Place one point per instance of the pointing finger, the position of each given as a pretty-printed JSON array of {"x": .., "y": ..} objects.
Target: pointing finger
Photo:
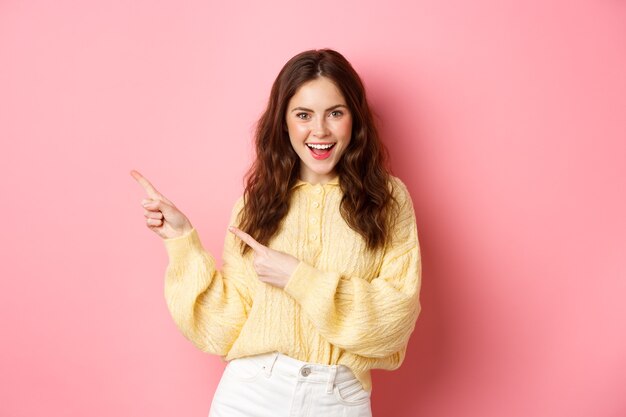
[
  {"x": 152, "y": 192},
  {"x": 256, "y": 246}
]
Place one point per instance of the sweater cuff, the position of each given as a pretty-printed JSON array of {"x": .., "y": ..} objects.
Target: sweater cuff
[
  {"x": 300, "y": 282},
  {"x": 179, "y": 248}
]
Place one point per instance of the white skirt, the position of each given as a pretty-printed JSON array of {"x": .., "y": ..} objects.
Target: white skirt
[{"x": 276, "y": 385}]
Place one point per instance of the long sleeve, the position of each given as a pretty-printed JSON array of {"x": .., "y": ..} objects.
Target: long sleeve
[
  {"x": 208, "y": 306},
  {"x": 372, "y": 318}
]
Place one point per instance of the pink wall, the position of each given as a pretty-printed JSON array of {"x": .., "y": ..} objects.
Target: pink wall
[{"x": 506, "y": 119}]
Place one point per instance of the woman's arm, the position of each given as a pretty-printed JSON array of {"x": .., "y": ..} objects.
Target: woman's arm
[{"x": 208, "y": 306}]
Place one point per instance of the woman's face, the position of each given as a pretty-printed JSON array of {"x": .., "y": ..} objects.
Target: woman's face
[{"x": 320, "y": 126}]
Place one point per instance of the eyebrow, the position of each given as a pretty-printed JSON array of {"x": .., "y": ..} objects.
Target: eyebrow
[{"x": 311, "y": 111}]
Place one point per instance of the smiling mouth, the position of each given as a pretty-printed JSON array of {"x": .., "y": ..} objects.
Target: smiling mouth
[
  {"x": 320, "y": 150},
  {"x": 320, "y": 145}
]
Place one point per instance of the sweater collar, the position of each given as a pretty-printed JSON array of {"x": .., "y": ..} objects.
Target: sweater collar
[{"x": 333, "y": 181}]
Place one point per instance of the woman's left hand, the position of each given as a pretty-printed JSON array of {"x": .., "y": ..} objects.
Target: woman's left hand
[{"x": 272, "y": 266}]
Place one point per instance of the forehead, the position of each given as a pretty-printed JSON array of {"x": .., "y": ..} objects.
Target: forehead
[{"x": 320, "y": 91}]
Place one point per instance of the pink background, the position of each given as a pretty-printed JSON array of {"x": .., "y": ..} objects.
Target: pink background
[{"x": 506, "y": 119}]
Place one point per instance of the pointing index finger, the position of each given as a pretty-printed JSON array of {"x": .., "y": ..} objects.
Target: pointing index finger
[
  {"x": 152, "y": 192},
  {"x": 256, "y": 246}
]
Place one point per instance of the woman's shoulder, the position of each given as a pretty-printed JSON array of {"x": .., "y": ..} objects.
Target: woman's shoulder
[
  {"x": 403, "y": 202},
  {"x": 396, "y": 181},
  {"x": 398, "y": 188},
  {"x": 237, "y": 208},
  {"x": 238, "y": 203}
]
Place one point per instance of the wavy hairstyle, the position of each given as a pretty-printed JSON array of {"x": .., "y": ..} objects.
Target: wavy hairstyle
[{"x": 367, "y": 204}]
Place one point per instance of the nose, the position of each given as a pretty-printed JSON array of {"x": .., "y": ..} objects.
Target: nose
[{"x": 320, "y": 129}]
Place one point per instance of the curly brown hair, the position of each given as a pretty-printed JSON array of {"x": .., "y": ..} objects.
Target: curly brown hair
[{"x": 364, "y": 177}]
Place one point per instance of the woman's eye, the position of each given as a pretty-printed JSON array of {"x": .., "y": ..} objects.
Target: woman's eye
[
  {"x": 302, "y": 116},
  {"x": 336, "y": 113}
]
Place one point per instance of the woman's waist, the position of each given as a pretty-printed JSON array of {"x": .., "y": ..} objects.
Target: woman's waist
[{"x": 292, "y": 367}]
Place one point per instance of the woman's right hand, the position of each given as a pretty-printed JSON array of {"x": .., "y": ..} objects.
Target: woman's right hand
[{"x": 162, "y": 216}]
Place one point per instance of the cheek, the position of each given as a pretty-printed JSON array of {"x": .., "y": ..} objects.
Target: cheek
[
  {"x": 345, "y": 130},
  {"x": 297, "y": 130},
  {"x": 292, "y": 131}
]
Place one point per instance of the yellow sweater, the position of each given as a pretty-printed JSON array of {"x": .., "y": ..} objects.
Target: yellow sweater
[{"x": 344, "y": 304}]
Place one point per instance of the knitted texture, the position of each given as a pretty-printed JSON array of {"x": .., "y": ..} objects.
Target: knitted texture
[{"x": 344, "y": 304}]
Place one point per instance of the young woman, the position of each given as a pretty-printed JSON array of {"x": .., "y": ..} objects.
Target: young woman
[{"x": 321, "y": 266}]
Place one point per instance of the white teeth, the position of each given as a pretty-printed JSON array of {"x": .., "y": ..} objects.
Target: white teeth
[{"x": 316, "y": 146}]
